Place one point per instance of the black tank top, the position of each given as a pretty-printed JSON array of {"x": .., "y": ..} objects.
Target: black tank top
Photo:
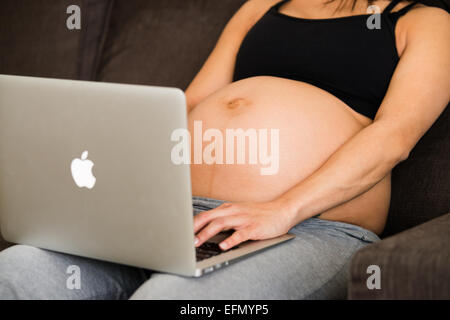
[{"x": 340, "y": 55}]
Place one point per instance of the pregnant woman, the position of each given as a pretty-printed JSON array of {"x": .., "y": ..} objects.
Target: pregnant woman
[{"x": 350, "y": 95}]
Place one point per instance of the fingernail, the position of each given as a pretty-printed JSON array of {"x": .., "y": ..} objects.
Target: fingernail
[
  {"x": 223, "y": 245},
  {"x": 196, "y": 241}
]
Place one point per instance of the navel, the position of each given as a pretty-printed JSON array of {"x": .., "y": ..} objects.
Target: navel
[{"x": 237, "y": 102}]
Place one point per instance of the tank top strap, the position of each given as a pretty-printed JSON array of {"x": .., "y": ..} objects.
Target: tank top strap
[
  {"x": 277, "y": 5},
  {"x": 403, "y": 10},
  {"x": 391, "y": 6}
]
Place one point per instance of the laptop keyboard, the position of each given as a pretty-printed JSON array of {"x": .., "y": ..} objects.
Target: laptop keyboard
[{"x": 208, "y": 250}]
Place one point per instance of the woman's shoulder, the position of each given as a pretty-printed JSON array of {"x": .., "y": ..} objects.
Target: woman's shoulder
[
  {"x": 263, "y": 3},
  {"x": 260, "y": 6},
  {"x": 426, "y": 14},
  {"x": 252, "y": 10},
  {"x": 424, "y": 20},
  {"x": 425, "y": 24}
]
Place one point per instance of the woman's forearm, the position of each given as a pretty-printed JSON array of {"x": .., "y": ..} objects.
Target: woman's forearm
[{"x": 354, "y": 168}]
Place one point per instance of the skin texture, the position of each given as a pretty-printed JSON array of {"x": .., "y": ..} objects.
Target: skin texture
[{"x": 418, "y": 93}]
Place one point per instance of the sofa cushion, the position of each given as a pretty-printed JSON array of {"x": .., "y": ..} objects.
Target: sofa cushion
[
  {"x": 35, "y": 40},
  {"x": 163, "y": 42},
  {"x": 413, "y": 264}
]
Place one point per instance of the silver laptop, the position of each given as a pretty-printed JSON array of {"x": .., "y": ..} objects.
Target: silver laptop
[{"x": 85, "y": 169}]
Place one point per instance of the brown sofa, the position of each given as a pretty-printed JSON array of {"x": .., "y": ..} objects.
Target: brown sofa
[{"x": 165, "y": 42}]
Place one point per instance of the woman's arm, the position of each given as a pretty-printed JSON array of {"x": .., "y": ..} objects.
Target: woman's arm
[
  {"x": 218, "y": 69},
  {"x": 418, "y": 93}
]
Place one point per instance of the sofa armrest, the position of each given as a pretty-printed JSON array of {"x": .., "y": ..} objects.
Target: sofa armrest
[{"x": 414, "y": 264}]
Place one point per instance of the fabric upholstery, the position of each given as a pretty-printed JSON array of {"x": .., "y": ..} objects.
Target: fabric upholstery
[
  {"x": 421, "y": 184},
  {"x": 96, "y": 23},
  {"x": 414, "y": 264},
  {"x": 35, "y": 40},
  {"x": 162, "y": 42}
]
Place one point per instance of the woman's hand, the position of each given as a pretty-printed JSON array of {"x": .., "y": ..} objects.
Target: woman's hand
[{"x": 251, "y": 220}]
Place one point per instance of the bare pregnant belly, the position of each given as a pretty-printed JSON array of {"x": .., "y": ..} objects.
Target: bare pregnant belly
[{"x": 311, "y": 124}]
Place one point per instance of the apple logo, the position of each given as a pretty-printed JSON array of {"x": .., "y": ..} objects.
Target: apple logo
[{"x": 82, "y": 172}]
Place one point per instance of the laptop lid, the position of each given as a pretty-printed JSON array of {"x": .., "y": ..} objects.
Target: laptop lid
[{"x": 136, "y": 206}]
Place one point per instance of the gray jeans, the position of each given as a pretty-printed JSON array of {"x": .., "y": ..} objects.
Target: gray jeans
[{"x": 313, "y": 265}]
